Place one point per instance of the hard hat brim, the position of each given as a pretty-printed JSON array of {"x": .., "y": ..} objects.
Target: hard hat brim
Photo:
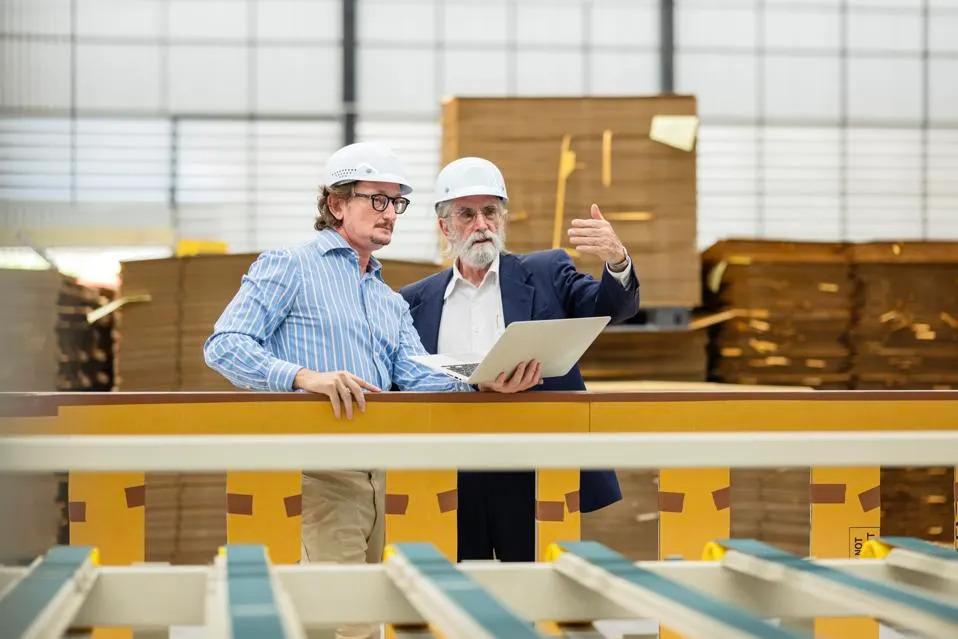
[
  {"x": 404, "y": 187},
  {"x": 473, "y": 190}
]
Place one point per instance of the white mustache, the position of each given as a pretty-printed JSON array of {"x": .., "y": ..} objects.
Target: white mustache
[{"x": 478, "y": 236}]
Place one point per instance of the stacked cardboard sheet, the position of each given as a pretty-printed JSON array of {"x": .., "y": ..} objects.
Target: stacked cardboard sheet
[
  {"x": 790, "y": 306},
  {"x": 906, "y": 331},
  {"x": 633, "y": 156},
  {"x": 772, "y": 505},
  {"x": 400, "y": 273},
  {"x": 85, "y": 350},
  {"x": 33, "y": 516},
  {"x": 161, "y": 349},
  {"x": 622, "y": 353},
  {"x": 630, "y": 526},
  {"x": 185, "y": 520},
  {"x": 209, "y": 282},
  {"x": 28, "y": 329},
  {"x": 918, "y": 502},
  {"x": 148, "y": 333}
]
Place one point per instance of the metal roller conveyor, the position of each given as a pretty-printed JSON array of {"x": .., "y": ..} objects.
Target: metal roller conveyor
[
  {"x": 915, "y": 554},
  {"x": 449, "y": 599},
  {"x": 45, "y": 600},
  {"x": 684, "y": 609},
  {"x": 897, "y": 604},
  {"x": 246, "y": 601}
]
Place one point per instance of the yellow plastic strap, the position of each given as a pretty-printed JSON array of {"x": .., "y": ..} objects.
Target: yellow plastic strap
[
  {"x": 713, "y": 552},
  {"x": 553, "y": 552},
  {"x": 874, "y": 549}
]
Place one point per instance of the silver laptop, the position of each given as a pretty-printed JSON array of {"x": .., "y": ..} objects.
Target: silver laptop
[{"x": 556, "y": 344}]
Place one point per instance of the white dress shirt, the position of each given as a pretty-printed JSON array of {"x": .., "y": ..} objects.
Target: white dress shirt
[{"x": 472, "y": 318}]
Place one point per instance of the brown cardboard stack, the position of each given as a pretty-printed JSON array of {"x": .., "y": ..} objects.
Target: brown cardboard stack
[
  {"x": 791, "y": 304},
  {"x": 400, "y": 273},
  {"x": 185, "y": 520},
  {"x": 160, "y": 348},
  {"x": 209, "y": 283},
  {"x": 646, "y": 188},
  {"x": 47, "y": 345},
  {"x": 906, "y": 333},
  {"x": 629, "y": 526},
  {"x": 47, "y": 342},
  {"x": 28, "y": 330},
  {"x": 85, "y": 350},
  {"x": 623, "y": 354},
  {"x": 772, "y": 505},
  {"x": 147, "y": 346},
  {"x": 918, "y": 502},
  {"x": 32, "y": 516}
]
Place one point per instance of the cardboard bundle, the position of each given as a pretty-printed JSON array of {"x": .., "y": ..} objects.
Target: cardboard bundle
[
  {"x": 209, "y": 282},
  {"x": 906, "y": 332},
  {"x": 160, "y": 348},
  {"x": 624, "y": 353},
  {"x": 48, "y": 345},
  {"x": 85, "y": 350},
  {"x": 185, "y": 517},
  {"x": 790, "y": 309},
  {"x": 33, "y": 507},
  {"x": 630, "y": 526},
  {"x": 632, "y": 156},
  {"x": 400, "y": 273},
  {"x": 918, "y": 502},
  {"x": 148, "y": 333},
  {"x": 28, "y": 329},
  {"x": 772, "y": 505}
]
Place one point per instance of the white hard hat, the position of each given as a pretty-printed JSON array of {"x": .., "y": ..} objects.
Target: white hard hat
[
  {"x": 369, "y": 162},
  {"x": 470, "y": 176}
]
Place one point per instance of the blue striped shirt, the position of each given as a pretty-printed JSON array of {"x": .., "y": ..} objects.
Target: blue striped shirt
[{"x": 309, "y": 307}]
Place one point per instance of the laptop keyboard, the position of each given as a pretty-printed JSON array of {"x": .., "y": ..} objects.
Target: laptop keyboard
[{"x": 463, "y": 369}]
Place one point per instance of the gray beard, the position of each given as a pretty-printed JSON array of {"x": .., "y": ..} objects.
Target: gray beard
[{"x": 480, "y": 255}]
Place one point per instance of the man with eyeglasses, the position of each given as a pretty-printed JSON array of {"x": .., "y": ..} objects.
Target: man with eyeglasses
[
  {"x": 465, "y": 308},
  {"x": 319, "y": 318}
]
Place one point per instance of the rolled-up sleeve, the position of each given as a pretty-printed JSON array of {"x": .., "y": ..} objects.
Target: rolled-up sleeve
[{"x": 236, "y": 347}]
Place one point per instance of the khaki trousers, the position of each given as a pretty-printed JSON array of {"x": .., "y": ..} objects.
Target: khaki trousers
[{"x": 344, "y": 522}]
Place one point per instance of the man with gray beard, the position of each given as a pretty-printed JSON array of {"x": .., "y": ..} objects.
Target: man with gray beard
[{"x": 465, "y": 309}]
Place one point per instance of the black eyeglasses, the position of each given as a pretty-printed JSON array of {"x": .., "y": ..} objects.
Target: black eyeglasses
[{"x": 381, "y": 201}]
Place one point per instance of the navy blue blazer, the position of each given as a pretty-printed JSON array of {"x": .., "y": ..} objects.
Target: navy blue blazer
[{"x": 538, "y": 286}]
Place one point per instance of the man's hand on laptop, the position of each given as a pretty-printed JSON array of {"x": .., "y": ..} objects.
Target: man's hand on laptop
[
  {"x": 340, "y": 387},
  {"x": 525, "y": 376}
]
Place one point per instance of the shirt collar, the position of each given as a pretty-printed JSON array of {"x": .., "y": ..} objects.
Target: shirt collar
[
  {"x": 492, "y": 275},
  {"x": 329, "y": 240}
]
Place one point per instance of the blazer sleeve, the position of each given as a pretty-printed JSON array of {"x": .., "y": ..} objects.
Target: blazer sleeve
[{"x": 584, "y": 296}]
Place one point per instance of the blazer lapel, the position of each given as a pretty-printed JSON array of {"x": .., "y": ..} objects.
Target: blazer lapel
[{"x": 517, "y": 294}]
